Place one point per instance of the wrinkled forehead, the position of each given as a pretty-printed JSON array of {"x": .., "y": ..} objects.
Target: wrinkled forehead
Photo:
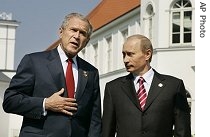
[
  {"x": 132, "y": 44},
  {"x": 78, "y": 21}
]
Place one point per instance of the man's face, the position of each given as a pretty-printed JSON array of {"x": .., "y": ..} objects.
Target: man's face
[
  {"x": 134, "y": 59},
  {"x": 74, "y": 36}
]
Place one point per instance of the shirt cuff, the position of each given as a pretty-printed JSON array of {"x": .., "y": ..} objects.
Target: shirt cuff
[{"x": 44, "y": 111}]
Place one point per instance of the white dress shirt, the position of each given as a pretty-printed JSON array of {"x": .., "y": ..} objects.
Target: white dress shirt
[
  {"x": 148, "y": 76},
  {"x": 64, "y": 63}
]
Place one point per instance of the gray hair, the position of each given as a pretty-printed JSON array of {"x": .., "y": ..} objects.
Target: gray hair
[{"x": 77, "y": 15}]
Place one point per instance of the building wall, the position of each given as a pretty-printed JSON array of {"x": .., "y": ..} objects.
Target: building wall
[
  {"x": 131, "y": 23},
  {"x": 10, "y": 123},
  {"x": 99, "y": 37},
  {"x": 7, "y": 44},
  {"x": 177, "y": 61},
  {"x": 173, "y": 60},
  {"x": 4, "y": 124}
]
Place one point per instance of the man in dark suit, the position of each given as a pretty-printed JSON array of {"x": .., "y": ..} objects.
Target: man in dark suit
[
  {"x": 165, "y": 113},
  {"x": 38, "y": 91}
]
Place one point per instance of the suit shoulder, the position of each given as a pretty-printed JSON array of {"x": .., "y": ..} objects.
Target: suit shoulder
[
  {"x": 170, "y": 78},
  {"x": 36, "y": 55},
  {"x": 38, "y": 58},
  {"x": 116, "y": 80}
]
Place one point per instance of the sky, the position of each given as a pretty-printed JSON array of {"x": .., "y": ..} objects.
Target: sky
[{"x": 40, "y": 21}]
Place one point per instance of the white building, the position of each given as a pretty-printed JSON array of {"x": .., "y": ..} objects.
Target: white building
[
  {"x": 10, "y": 124},
  {"x": 169, "y": 24}
]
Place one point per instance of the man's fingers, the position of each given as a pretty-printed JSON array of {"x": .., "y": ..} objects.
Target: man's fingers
[
  {"x": 70, "y": 108},
  {"x": 70, "y": 100},
  {"x": 64, "y": 105},
  {"x": 67, "y": 112},
  {"x": 70, "y": 103},
  {"x": 61, "y": 91}
]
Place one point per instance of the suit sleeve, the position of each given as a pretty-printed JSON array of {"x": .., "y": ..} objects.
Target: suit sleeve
[
  {"x": 108, "y": 119},
  {"x": 95, "y": 124},
  {"x": 18, "y": 97},
  {"x": 182, "y": 113}
]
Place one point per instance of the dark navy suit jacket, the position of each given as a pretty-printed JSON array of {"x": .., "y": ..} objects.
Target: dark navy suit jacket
[
  {"x": 38, "y": 76},
  {"x": 166, "y": 106}
]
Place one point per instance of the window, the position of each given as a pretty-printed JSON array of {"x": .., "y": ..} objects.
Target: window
[
  {"x": 150, "y": 13},
  {"x": 124, "y": 34},
  {"x": 95, "y": 47},
  {"x": 109, "y": 53},
  {"x": 181, "y": 19},
  {"x": 148, "y": 20}
]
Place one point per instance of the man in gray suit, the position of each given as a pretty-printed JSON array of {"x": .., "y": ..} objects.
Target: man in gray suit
[
  {"x": 163, "y": 112},
  {"x": 38, "y": 91}
]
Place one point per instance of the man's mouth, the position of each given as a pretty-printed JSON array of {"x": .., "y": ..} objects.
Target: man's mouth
[
  {"x": 127, "y": 67},
  {"x": 75, "y": 43}
]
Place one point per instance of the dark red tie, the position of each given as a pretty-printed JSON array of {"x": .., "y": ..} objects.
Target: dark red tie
[
  {"x": 70, "y": 79},
  {"x": 142, "y": 95}
]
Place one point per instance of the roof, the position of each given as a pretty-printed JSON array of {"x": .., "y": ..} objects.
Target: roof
[
  {"x": 109, "y": 10},
  {"x": 105, "y": 12}
]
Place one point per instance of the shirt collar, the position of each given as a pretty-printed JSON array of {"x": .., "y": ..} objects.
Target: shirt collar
[
  {"x": 63, "y": 55},
  {"x": 148, "y": 76}
]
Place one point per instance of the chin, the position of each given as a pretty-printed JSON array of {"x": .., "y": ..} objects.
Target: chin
[{"x": 128, "y": 70}]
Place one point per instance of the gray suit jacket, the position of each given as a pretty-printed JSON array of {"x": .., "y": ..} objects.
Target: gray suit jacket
[
  {"x": 166, "y": 106},
  {"x": 38, "y": 76}
]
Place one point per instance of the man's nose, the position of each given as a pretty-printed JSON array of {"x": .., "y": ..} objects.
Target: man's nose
[
  {"x": 77, "y": 34},
  {"x": 125, "y": 59}
]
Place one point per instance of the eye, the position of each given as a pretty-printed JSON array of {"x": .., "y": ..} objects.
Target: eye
[
  {"x": 73, "y": 30},
  {"x": 123, "y": 54},
  {"x": 130, "y": 54},
  {"x": 83, "y": 33}
]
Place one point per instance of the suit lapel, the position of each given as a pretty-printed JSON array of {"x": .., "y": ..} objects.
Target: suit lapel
[
  {"x": 155, "y": 89},
  {"x": 56, "y": 70},
  {"x": 82, "y": 79},
  {"x": 129, "y": 89}
]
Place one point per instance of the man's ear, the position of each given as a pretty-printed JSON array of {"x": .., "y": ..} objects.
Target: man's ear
[
  {"x": 60, "y": 32},
  {"x": 148, "y": 54}
]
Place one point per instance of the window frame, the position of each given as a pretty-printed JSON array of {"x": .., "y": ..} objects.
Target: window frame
[
  {"x": 181, "y": 10},
  {"x": 96, "y": 54}
]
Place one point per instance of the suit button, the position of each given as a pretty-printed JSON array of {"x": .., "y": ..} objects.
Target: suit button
[
  {"x": 144, "y": 132},
  {"x": 144, "y": 114}
]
